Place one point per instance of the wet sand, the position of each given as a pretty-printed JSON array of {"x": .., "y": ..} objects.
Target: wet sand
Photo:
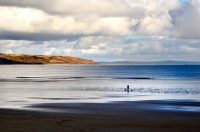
[{"x": 116, "y": 116}]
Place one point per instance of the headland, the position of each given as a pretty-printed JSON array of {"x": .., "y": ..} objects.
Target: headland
[{"x": 42, "y": 59}]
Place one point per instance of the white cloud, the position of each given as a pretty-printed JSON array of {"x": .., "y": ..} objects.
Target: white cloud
[
  {"x": 188, "y": 49},
  {"x": 155, "y": 26},
  {"x": 37, "y": 22},
  {"x": 50, "y": 52}
]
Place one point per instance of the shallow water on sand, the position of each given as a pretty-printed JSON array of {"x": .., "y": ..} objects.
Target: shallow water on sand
[{"x": 22, "y": 86}]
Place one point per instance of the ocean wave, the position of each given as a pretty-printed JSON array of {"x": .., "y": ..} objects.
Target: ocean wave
[
  {"x": 141, "y": 90},
  {"x": 29, "y": 77},
  {"x": 140, "y": 78}
]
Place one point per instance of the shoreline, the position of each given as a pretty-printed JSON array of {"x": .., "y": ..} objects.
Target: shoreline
[{"x": 97, "y": 117}]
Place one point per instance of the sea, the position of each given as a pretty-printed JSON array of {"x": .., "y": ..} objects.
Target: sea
[{"x": 22, "y": 86}]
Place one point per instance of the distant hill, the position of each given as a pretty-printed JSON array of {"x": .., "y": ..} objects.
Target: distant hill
[
  {"x": 167, "y": 62},
  {"x": 41, "y": 59}
]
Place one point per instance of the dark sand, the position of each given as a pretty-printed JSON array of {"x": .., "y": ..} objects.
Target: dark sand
[{"x": 104, "y": 117}]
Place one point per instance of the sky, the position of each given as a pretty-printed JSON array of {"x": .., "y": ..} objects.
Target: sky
[{"x": 102, "y": 30}]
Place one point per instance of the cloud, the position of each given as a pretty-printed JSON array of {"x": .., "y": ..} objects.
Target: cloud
[
  {"x": 186, "y": 21},
  {"x": 105, "y": 8},
  {"x": 42, "y": 26},
  {"x": 110, "y": 47},
  {"x": 43, "y": 20},
  {"x": 114, "y": 29},
  {"x": 136, "y": 46},
  {"x": 155, "y": 26}
]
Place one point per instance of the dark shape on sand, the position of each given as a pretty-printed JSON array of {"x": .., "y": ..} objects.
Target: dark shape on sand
[{"x": 127, "y": 89}]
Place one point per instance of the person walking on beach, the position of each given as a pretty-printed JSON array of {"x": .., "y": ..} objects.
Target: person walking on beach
[{"x": 127, "y": 89}]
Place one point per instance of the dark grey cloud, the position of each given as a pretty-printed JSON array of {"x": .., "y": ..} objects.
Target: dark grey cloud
[
  {"x": 8, "y": 35},
  {"x": 103, "y": 8}
]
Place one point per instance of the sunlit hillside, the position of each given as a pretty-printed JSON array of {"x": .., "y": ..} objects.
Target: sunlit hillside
[{"x": 41, "y": 59}]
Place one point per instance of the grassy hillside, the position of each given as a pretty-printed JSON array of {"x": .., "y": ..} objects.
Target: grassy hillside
[{"x": 41, "y": 59}]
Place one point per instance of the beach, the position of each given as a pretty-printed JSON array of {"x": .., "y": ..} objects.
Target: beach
[
  {"x": 98, "y": 117},
  {"x": 94, "y": 98}
]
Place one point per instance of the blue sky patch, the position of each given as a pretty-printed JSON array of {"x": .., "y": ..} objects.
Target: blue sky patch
[{"x": 184, "y": 0}]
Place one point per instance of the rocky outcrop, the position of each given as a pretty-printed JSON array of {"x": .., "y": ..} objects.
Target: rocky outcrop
[{"x": 41, "y": 59}]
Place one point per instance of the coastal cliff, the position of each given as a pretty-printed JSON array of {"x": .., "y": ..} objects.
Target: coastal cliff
[{"x": 41, "y": 59}]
